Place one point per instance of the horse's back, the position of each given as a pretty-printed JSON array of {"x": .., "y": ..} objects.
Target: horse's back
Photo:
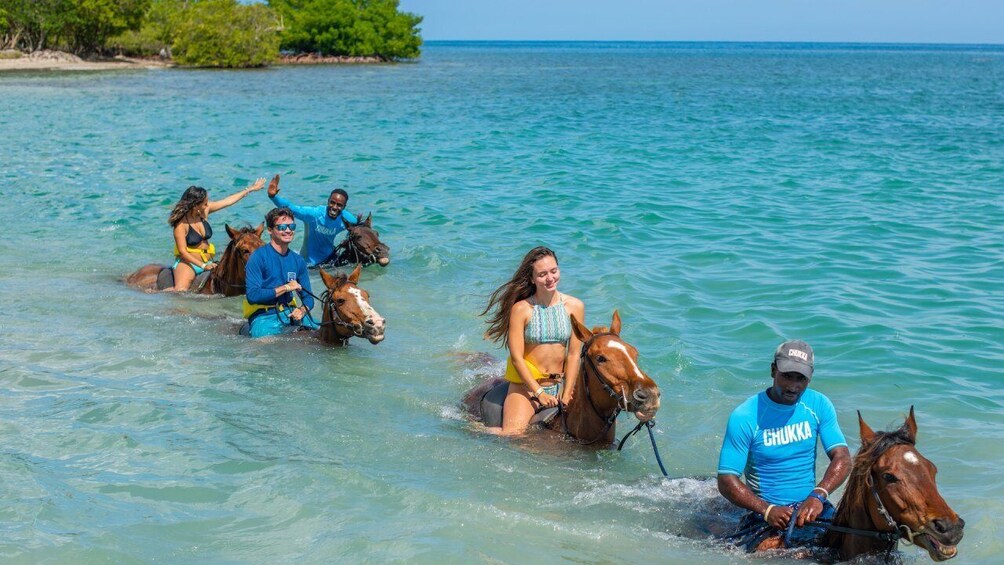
[
  {"x": 161, "y": 277},
  {"x": 147, "y": 276}
]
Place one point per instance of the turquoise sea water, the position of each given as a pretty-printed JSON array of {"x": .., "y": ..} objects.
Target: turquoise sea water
[{"x": 723, "y": 197}]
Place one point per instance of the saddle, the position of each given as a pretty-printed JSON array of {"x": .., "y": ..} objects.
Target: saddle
[
  {"x": 493, "y": 401},
  {"x": 165, "y": 279}
]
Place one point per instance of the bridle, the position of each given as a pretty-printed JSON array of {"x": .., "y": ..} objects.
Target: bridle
[
  {"x": 328, "y": 305},
  {"x": 900, "y": 531},
  {"x": 895, "y": 533},
  {"x": 358, "y": 255},
  {"x": 622, "y": 402}
]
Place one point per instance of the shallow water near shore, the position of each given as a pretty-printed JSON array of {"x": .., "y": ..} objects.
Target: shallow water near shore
[{"x": 723, "y": 197}]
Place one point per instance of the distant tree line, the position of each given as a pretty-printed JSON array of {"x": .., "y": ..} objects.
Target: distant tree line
[{"x": 212, "y": 33}]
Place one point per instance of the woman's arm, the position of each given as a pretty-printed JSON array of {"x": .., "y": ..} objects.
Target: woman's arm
[
  {"x": 236, "y": 197},
  {"x": 180, "y": 232},
  {"x": 572, "y": 356}
]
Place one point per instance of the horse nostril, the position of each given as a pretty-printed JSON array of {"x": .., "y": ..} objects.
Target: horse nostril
[
  {"x": 640, "y": 395},
  {"x": 941, "y": 526},
  {"x": 370, "y": 323}
]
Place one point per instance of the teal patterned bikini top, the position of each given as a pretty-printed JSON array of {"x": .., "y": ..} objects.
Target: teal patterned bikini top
[{"x": 548, "y": 324}]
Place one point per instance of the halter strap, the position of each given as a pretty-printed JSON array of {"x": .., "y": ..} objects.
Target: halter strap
[
  {"x": 621, "y": 399},
  {"x": 340, "y": 254}
]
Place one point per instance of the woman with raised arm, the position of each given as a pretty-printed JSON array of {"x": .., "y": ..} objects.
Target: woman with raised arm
[
  {"x": 193, "y": 251},
  {"x": 531, "y": 318}
]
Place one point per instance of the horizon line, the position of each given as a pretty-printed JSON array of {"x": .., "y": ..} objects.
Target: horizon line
[{"x": 772, "y": 41}]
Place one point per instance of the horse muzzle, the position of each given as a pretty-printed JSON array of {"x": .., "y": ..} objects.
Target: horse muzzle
[
  {"x": 644, "y": 402},
  {"x": 941, "y": 538},
  {"x": 373, "y": 330},
  {"x": 382, "y": 255}
]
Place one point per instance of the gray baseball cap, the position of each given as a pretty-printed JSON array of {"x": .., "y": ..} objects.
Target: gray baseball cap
[{"x": 794, "y": 356}]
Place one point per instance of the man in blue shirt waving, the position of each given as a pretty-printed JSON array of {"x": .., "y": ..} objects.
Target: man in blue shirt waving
[
  {"x": 771, "y": 439},
  {"x": 321, "y": 223}
]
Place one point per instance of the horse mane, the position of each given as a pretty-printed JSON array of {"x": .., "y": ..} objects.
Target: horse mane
[
  {"x": 228, "y": 261},
  {"x": 858, "y": 492}
]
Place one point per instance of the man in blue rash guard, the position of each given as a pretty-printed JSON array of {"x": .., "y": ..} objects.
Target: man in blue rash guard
[
  {"x": 275, "y": 274},
  {"x": 322, "y": 223},
  {"x": 771, "y": 439}
]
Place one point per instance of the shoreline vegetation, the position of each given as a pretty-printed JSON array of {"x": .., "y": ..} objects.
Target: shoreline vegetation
[{"x": 73, "y": 35}]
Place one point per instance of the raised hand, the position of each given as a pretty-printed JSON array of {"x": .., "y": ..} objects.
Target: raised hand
[
  {"x": 273, "y": 187},
  {"x": 258, "y": 184}
]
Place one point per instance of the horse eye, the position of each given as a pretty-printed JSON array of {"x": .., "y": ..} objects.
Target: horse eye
[
  {"x": 340, "y": 301},
  {"x": 889, "y": 478},
  {"x": 601, "y": 359}
]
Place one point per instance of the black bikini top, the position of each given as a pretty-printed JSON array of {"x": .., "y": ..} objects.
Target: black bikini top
[{"x": 193, "y": 238}]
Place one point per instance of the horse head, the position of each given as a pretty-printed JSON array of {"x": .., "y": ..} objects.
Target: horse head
[
  {"x": 363, "y": 245},
  {"x": 245, "y": 241},
  {"x": 614, "y": 363},
  {"x": 229, "y": 275},
  {"x": 347, "y": 310},
  {"x": 892, "y": 489}
]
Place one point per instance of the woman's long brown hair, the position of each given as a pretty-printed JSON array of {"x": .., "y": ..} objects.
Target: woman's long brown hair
[
  {"x": 193, "y": 196},
  {"x": 519, "y": 287}
]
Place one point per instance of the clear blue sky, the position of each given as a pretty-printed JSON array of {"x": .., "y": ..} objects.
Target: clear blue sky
[{"x": 893, "y": 21}]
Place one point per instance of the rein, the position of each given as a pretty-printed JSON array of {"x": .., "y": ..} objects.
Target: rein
[
  {"x": 899, "y": 531},
  {"x": 655, "y": 449}
]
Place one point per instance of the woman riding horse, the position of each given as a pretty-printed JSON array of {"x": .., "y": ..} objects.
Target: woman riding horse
[
  {"x": 192, "y": 249},
  {"x": 531, "y": 318},
  {"x": 226, "y": 278},
  {"x": 609, "y": 381}
]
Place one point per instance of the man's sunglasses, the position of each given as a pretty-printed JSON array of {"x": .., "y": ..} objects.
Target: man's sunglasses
[{"x": 285, "y": 227}]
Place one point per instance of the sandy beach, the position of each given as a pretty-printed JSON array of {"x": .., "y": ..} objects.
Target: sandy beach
[{"x": 60, "y": 61}]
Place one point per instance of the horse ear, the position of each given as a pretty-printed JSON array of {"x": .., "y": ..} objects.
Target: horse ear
[
  {"x": 231, "y": 231},
  {"x": 354, "y": 277},
  {"x": 330, "y": 281},
  {"x": 581, "y": 332},
  {"x": 368, "y": 222},
  {"x": 259, "y": 229},
  {"x": 911, "y": 426},
  {"x": 615, "y": 325},
  {"x": 867, "y": 434}
]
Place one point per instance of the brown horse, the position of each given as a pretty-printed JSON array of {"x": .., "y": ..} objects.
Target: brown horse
[
  {"x": 892, "y": 489},
  {"x": 347, "y": 310},
  {"x": 361, "y": 246},
  {"x": 227, "y": 278},
  {"x": 609, "y": 382}
]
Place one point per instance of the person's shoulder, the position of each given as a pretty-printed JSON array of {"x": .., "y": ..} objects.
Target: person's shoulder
[
  {"x": 747, "y": 407},
  {"x": 521, "y": 307},
  {"x": 573, "y": 302},
  {"x": 813, "y": 397},
  {"x": 257, "y": 254},
  {"x": 820, "y": 403}
]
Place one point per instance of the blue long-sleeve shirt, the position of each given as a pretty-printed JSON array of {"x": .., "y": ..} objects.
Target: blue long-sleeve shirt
[
  {"x": 267, "y": 270},
  {"x": 320, "y": 230}
]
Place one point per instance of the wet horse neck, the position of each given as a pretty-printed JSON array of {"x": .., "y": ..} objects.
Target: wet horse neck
[
  {"x": 331, "y": 332},
  {"x": 228, "y": 276},
  {"x": 584, "y": 423},
  {"x": 859, "y": 515}
]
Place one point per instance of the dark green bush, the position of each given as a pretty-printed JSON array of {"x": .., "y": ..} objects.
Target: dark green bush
[
  {"x": 349, "y": 28},
  {"x": 225, "y": 33}
]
